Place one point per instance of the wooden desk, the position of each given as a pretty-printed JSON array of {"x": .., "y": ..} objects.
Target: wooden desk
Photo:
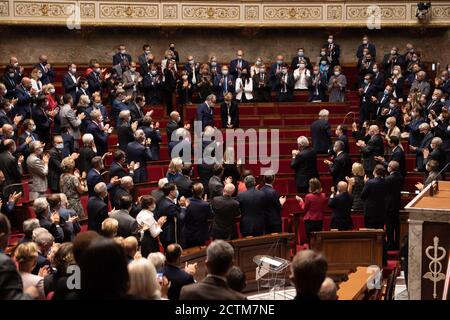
[
  {"x": 244, "y": 251},
  {"x": 355, "y": 286},
  {"x": 347, "y": 250}
]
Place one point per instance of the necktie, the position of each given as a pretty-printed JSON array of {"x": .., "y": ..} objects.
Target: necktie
[{"x": 225, "y": 84}]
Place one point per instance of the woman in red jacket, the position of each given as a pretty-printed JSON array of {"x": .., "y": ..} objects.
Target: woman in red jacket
[{"x": 314, "y": 205}]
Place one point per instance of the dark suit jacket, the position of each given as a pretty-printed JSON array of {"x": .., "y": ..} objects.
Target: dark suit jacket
[
  {"x": 234, "y": 114},
  {"x": 117, "y": 106},
  {"x": 341, "y": 206},
  {"x": 305, "y": 167},
  {"x": 116, "y": 170},
  {"x": 184, "y": 186},
  {"x": 366, "y": 97},
  {"x": 138, "y": 153},
  {"x": 341, "y": 167},
  {"x": 399, "y": 155},
  {"x": 137, "y": 114},
  {"x": 215, "y": 187},
  {"x": 93, "y": 177},
  {"x": 210, "y": 288},
  {"x": 177, "y": 278},
  {"x": 261, "y": 87},
  {"x": 273, "y": 208},
  {"x": 321, "y": 136},
  {"x": 394, "y": 184},
  {"x": 47, "y": 76},
  {"x": 100, "y": 138},
  {"x": 95, "y": 82},
  {"x": 12, "y": 172},
  {"x": 227, "y": 85},
  {"x": 11, "y": 285},
  {"x": 374, "y": 147},
  {"x": 296, "y": 62},
  {"x": 70, "y": 86},
  {"x": 125, "y": 135},
  {"x": 335, "y": 53},
  {"x": 253, "y": 211},
  {"x": 85, "y": 158},
  {"x": 97, "y": 211},
  {"x": 167, "y": 208},
  {"x": 290, "y": 83},
  {"x": 374, "y": 196},
  {"x": 205, "y": 114},
  {"x": 24, "y": 102},
  {"x": 234, "y": 64},
  {"x": 54, "y": 169},
  {"x": 195, "y": 224},
  {"x": 362, "y": 46},
  {"x": 171, "y": 127},
  {"x": 225, "y": 210},
  {"x": 43, "y": 124},
  {"x": 424, "y": 144},
  {"x": 119, "y": 57}
]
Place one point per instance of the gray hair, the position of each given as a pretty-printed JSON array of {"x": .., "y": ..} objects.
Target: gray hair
[
  {"x": 29, "y": 225},
  {"x": 210, "y": 97},
  {"x": 87, "y": 138},
  {"x": 250, "y": 181},
  {"x": 100, "y": 188},
  {"x": 229, "y": 189},
  {"x": 42, "y": 237},
  {"x": 328, "y": 290},
  {"x": 302, "y": 141},
  {"x": 437, "y": 141},
  {"x": 324, "y": 113},
  {"x": 339, "y": 144},
  {"x": 40, "y": 205},
  {"x": 162, "y": 182},
  {"x": 424, "y": 126},
  {"x": 95, "y": 113},
  {"x": 124, "y": 114},
  {"x": 219, "y": 257},
  {"x": 157, "y": 259},
  {"x": 34, "y": 145}
]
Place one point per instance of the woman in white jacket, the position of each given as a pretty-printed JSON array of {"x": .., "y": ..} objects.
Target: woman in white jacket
[
  {"x": 244, "y": 87},
  {"x": 301, "y": 77}
]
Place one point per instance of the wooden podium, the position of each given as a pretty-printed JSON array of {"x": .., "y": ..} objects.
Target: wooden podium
[{"x": 429, "y": 242}]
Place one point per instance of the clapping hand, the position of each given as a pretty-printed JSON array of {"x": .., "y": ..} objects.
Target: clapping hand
[
  {"x": 190, "y": 268},
  {"x": 14, "y": 197},
  {"x": 282, "y": 200},
  {"x": 366, "y": 178},
  {"x": 299, "y": 199}
]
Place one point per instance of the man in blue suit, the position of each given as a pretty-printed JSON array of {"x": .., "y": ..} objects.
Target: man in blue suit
[
  {"x": 70, "y": 81},
  {"x": 253, "y": 209},
  {"x": 223, "y": 83},
  {"x": 195, "y": 227},
  {"x": 119, "y": 104},
  {"x": 238, "y": 64},
  {"x": 121, "y": 55},
  {"x": 99, "y": 132},
  {"x": 93, "y": 177},
  {"x": 25, "y": 97},
  {"x": 139, "y": 151},
  {"x": 274, "y": 205},
  {"x": 374, "y": 196},
  {"x": 48, "y": 74},
  {"x": 205, "y": 111}
]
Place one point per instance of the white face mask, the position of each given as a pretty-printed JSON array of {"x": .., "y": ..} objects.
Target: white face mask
[
  {"x": 330, "y": 40},
  {"x": 52, "y": 90},
  {"x": 224, "y": 72}
]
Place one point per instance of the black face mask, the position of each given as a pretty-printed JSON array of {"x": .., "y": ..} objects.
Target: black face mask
[{"x": 172, "y": 48}]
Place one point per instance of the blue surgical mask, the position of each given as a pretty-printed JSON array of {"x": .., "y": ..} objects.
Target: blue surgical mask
[
  {"x": 366, "y": 81},
  {"x": 59, "y": 146}
]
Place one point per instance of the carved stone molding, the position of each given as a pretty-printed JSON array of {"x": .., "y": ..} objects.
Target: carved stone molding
[
  {"x": 207, "y": 13},
  {"x": 211, "y": 12},
  {"x": 129, "y": 11},
  {"x": 293, "y": 13}
]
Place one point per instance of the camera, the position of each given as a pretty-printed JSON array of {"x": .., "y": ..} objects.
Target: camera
[{"x": 422, "y": 9}]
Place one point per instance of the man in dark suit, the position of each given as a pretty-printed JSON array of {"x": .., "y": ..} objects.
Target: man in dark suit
[
  {"x": 54, "y": 164},
  {"x": 304, "y": 164},
  {"x": 25, "y": 139},
  {"x": 11, "y": 79},
  {"x": 99, "y": 132},
  {"x": 434, "y": 105},
  {"x": 143, "y": 58},
  {"x": 394, "y": 184},
  {"x": 341, "y": 166},
  {"x": 139, "y": 152},
  {"x": 195, "y": 225},
  {"x": 437, "y": 153},
  {"x": 274, "y": 205},
  {"x": 398, "y": 155},
  {"x": 48, "y": 74},
  {"x": 342, "y": 135},
  {"x": 366, "y": 45},
  {"x": 96, "y": 79},
  {"x": 26, "y": 96},
  {"x": 378, "y": 77},
  {"x": 300, "y": 57},
  {"x": 193, "y": 70},
  {"x": 383, "y": 99},
  {"x": 11, "y": 167},
  {"x": 374, "y": 196},
  {"x": 205, "y": 111},
  {"x": 184, "y": 182},
  {"x": 427, "y": 135},
  {"x": 238, "y": 64},
  {"x": 117, "y": 167},
  {"x": 125, "y": 188},
  {"x": 368, "y": 95},
  {"x": 125, "y": 130},
  {"x": 333, "y": 51},
  {"x": 391, "y": 59},
  {"x": 219, "y": 260},
  {"x": 178, "y": 278},
  {"x": 225, "y": 210},
  {"x": 215, "y": 184},
  {"x": 137, "y": 110},
  {"x": 253, "y": 209},
  {"x": 174, "y": 213},
  {"x": 70, "y": 81},
  {"x": 223, "y": 83},
  {"x": 229, "y": 113},
  {"x": 97, "y": 209},
  {"x": 169, "y": 85},
  {"x": 121, "y": 55},
  {"x": 261, "y": 85},
  {"x": 284, "y": 85},
  {"x": 341, "y": 204},
  {"x": 94, "y": 176},
  {"x": 373, "y": 148},
  {"x": 321, "y": 133},
  {"x": 173, "y": 124},
  {"x": 127, "y": 224},
  {"x": 275, "y": 71},
  {"x": 119, "y": 104}
]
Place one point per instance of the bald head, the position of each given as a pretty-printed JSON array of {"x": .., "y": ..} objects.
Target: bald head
[
  {"x": 174, "y": 115},
  {"x": 228, "y": 190},
  {"x": 127, "y": 182},
  {"x": 342, "y": 186},
  {"x": 130, "y": 246}
]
